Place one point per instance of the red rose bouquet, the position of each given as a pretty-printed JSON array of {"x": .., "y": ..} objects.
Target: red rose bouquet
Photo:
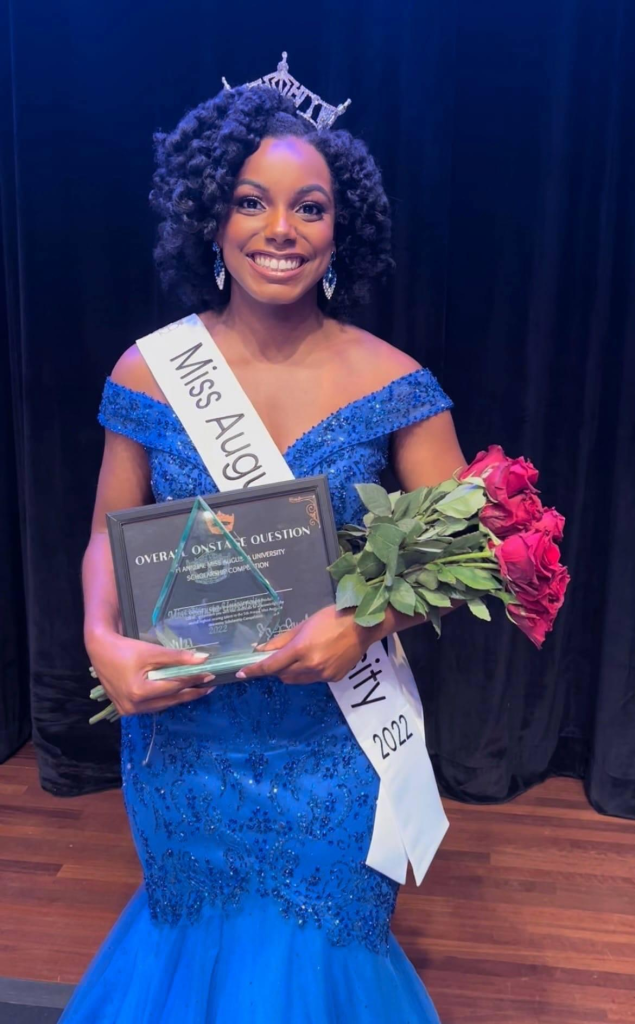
[{"x": 483, "y": 533}]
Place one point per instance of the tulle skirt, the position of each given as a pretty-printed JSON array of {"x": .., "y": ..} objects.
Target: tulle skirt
[{"x": 243, "y": 966}]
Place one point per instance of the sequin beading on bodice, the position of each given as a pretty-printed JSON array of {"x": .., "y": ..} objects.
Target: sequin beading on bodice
[{"x": 260, "y": 791}]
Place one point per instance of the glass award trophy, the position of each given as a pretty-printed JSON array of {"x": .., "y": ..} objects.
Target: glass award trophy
[{"x": 214, "y": 599}]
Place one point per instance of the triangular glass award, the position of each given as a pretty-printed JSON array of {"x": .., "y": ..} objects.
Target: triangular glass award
[{"x": 214, "y": 599}]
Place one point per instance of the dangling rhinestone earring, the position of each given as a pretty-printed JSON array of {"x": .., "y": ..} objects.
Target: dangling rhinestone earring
[
  {"x": 330, "y": 278},
  {"x": 219, "y": 267}
]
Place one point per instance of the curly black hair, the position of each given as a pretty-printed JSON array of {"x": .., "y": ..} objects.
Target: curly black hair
[{"x": 197, "y": 165}]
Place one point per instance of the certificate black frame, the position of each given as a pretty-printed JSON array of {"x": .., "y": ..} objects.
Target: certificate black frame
[{"x": 117, "y": 521}]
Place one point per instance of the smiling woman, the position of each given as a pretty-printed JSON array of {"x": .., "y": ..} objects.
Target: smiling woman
[
  {"x": 210, "y": 186},
  {"x": 283, "y": 226},
  {"x": 255, "y": 816}
]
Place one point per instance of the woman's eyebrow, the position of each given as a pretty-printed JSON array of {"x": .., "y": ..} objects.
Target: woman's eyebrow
[
  {"x": 304, "y": 190},
  {"x": 312, "y": 188}
]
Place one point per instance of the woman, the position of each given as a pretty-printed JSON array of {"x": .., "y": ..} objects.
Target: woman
[{"x": 253, "y": 817}]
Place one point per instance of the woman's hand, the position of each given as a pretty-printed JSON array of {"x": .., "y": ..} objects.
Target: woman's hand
[
  {"x": 122, "y": 667},
  {"x": 323, "y": 648}
]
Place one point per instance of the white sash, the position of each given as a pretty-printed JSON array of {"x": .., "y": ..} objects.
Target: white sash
[{"x": 379, "y": 697}]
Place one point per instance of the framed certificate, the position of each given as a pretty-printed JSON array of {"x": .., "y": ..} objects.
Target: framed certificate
[{"x": 224, "y": 572}]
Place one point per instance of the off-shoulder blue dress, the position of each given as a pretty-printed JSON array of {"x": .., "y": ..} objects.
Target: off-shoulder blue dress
[{"x": 253, "y": 817}]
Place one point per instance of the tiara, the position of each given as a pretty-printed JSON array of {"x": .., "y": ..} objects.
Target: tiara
[{"x": 289, "y": 86}]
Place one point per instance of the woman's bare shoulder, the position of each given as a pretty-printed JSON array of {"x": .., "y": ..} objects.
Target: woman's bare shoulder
[
  {"x": 132, "y": 371},
  {"x": 374, "y": 358}
]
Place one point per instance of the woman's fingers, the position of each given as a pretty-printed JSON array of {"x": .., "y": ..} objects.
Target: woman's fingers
[
  {"x": 272, "y": 666},
  {"x": 155, "y": 656},
  {"x": 280, "y": 640},
  {"x": 166, "y": 689},
  {"x": 160, "y": 657},
  {"x": 286, "y": 665}
]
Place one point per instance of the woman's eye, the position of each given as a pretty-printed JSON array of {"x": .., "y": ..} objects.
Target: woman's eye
[
  {"x": 247, "y": 199},
  {"x": 317, "y": 210},
  {"x": 253, "y": 204}
]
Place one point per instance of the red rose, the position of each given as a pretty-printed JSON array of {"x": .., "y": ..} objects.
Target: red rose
[
  {"x": 534, "y": 626},
  {"x": 527, "y": 558},
  {"x": 521, "y": 476},
  {"x": 551, "y": 522},
  {"x": 515, "y": 559},
  {"x": 527, "y": 554},
  {"x": 536, "y": 618},
  {"x": 503, "y": 477},
  {"x": 506, "y": 479},
  {"x": 549, "y": 598},
  {"x": 512, "y": 515},
  {"x": 483, "y": 461},
  {"x": 529, "y": 565},
  {"x": 545, "y": 553}
]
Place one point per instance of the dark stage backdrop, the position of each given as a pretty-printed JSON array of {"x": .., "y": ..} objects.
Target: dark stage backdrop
[{"x": 505, "y": 135}]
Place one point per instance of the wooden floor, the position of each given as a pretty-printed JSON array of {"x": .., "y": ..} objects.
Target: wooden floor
[{"x": 526, "y": 915}]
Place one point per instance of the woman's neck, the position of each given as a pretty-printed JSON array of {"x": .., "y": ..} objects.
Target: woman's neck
[{"x": 271, "y": 333}]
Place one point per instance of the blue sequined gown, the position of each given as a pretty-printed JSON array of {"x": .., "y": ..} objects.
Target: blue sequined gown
[{"x": 253, "y": 818}]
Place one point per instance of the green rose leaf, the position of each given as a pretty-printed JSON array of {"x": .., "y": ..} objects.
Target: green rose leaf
[
  {"x": 428, "y": 578},
  {"x": 372, "y": 607},
  {"x": 410, "y": 558},
  {"x": 435, "y": 619},
  {"x": 408, "y": 505},
  {"x": 391, "y": 566},
  {"x": 421, "y": 607},
  {"x": 411, "y": 528},
  {"x": 418, "y": 558},
  {"x": 343, "y": 566},
  {"x": 371, "y": 519},
  {"x": 384, "y": 539},
  {"x": 478, "y": 579},
  {"x": 436, "y": 494},
  {"x": 350, "y": 534},
  {"x": 432, "y": 545},
  {"x": 446, "y": 486},
  {"x": 402, "y": 596},
  {"x": 466, "y": 543},
  {"x": 375, "y": 498},
  {"x": 449, "y": 526},
  {"x": 436, "y": 598},
  {"x": 431, "y": 532},
  {"x": 350, "y": 591},
  {"x": 478, "y": 607},
  {"x": 462, "y": 502},
  {"x": 353, "y": 529},
  {"x": 369, "y": 565},
  {"x": 446, "y": 575}
]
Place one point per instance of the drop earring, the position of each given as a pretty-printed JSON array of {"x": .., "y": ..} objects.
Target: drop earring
[
  {"x": 219, "y": 267},
  {"x": 330, "y": 278}
]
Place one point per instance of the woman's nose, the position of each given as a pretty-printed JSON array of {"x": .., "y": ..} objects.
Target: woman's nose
[{"x": 280, "y": 226}]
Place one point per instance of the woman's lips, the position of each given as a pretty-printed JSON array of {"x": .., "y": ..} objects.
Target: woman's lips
[{"x": 273, "y": 274}]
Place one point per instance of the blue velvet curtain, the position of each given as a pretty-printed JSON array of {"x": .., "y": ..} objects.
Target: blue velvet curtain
[{"x": 504, "y": 132}]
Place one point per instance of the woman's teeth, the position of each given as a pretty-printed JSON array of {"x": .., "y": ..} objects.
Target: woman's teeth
[{"x": 273, "y": 264}]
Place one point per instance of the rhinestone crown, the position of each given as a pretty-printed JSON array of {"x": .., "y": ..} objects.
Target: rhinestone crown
[{"x": 289, "y": 86}]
